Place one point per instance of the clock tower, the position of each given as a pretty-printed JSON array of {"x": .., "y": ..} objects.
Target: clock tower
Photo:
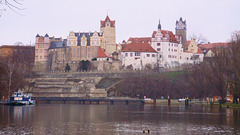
[{"x": 181, "y": 29}]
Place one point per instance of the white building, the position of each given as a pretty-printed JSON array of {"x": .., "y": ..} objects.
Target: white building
[
  {"x": 139, "y": 56},
  {"x": 168, "y": 46},
  {"x": 170, "y": 49}
]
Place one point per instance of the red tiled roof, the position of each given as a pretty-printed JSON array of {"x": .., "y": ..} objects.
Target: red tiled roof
[
  {"x": 101, "y": 53},
  {"x": 164, "y": 32},
  {"x": 138, "y": 47},
  {"x": 107, "y": 19},
  {"x": 140, "y": 39},
  {"x": 188, "y": 42},
  {"x": 199, "y": 51},
  {"x": 212, "y": 45}
]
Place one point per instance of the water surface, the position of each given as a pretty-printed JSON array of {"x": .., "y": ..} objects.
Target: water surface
[{"x": 117, "y": 119}]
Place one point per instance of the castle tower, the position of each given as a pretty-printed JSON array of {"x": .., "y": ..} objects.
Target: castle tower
[
  {"x": 181, "y": 29},
  {"x": 108, "y": 29}
]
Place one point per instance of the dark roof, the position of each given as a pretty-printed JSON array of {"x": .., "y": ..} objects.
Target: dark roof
[
  {"x": 37, "y": 35},
  {"x": 183, "y": 22},
  {"x": 58, "y": 44},
  {"x": 88, "y": 35},
  {"x": 46, "y": 35}
]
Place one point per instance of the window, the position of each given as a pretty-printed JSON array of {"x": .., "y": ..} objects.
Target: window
[
  {"x": 158, "y": 49},
  {"x": 160, "y": 56},
  {"x": 78, "y": 49},
  {"x": 131, "y": 54},
  {"x": 83, "y": 43},
  {"x": 169, "y": 49},
  {"x": 126, "y": 54},
  {"x": 158, "y": 44},
  {"x": 148, "y": 55},
  {"x": 153, "y": 55},
  {"x": 137, "y": 54},
  {"x": 88, "y": 49}
]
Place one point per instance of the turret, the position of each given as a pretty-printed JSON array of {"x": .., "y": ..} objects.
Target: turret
[
  {"x": 46, "y": 39},
  {"x": 159, "y": 25},
  {"x": 37, "y": 38}
]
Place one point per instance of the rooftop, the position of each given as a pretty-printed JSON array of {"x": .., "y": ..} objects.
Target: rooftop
[{"x": 138, "y": 47}]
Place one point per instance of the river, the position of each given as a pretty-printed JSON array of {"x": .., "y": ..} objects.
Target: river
[{"x": 117, "y": 119}]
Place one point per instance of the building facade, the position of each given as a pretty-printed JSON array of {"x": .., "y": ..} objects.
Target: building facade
[
  {"x": 168, "y": 46},
  {"x": 76, "y": 47},
  {"x": 139, "y": 56},
  {"x": 26, "y": 52}
]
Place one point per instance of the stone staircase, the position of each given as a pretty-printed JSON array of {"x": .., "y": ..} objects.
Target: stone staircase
[{"x": 66, "y": 87}]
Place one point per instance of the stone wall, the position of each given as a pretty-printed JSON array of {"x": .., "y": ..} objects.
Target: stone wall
[
  {"x": 40, "y": 67},
  {"x": 66, "y": 87},
  {"x": 60, "y": 66}
]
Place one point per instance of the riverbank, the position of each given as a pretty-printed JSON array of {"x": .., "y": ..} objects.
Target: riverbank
[{"x": 195, "y": 102}]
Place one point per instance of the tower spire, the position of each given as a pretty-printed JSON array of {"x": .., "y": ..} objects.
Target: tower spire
[{"x": 159, "y": 25}]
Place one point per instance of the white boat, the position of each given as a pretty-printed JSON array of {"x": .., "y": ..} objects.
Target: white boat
[{"x": 19, "y": 98}]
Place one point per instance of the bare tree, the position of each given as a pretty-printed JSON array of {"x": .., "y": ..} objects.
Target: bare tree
[
  {"x": 199, "y": 81},
  {"x": 233, "y": 64},
  {"x": 14, "y": 5},
  {"x": 11, "y": 76},
  {"x": 200, "y": 38}
]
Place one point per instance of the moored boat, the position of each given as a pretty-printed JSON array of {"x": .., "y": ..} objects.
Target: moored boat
[{"x": 19, "y": 98}]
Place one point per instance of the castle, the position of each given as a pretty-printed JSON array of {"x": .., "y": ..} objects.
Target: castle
[
  {"x": 77, "y": 47},
  {"x": 167, "y": 49},
  {"x": 163, "y": 49}
]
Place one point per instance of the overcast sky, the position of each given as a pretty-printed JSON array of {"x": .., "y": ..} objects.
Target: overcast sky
[{"x": 215, "y": 19}]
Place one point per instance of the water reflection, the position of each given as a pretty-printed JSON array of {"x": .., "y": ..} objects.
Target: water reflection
[{"x": 117, "y": 119}]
